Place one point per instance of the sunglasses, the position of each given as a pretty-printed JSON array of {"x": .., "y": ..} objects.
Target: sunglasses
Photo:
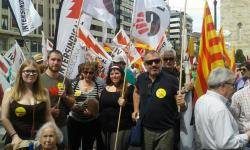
[
  {"x": 30, "y": 72},
  {"x": 88, "y": 72},
  {"x": 150, "y": 62},
  {"x": 168, "y": 59}
]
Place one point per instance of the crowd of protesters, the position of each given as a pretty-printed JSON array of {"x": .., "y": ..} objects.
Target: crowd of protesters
[{"x": 57, "y": 113}]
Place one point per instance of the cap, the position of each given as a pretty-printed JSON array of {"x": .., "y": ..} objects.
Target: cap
[
  {"x": 38, "y": 58},
  {"x": 118, "y": 59}
]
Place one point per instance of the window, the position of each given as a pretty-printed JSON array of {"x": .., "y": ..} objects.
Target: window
[
  {"x": 14, "y": 23},
  {"x": 127, "y": 19},
  {"x": 109, "y": 40},
  {"x": 53, "y": 30},
  {"x": 126, "y": 28},
  {"x": 40, "y": 10},
  {"x": 96, "y": 28},
  {"x": 98, "y": 38},
  {"x": 5, "y": 4},
  {"x": 4, "y": 23},
  {"x": 33, "y": 46},
  {"x": 109, "y": 30},
  {"x": 53, "y": 15}
]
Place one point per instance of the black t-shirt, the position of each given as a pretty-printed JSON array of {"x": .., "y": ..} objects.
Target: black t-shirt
[
  {"x": 109, "y": 110},
  {"x": 162, "y": 111}
]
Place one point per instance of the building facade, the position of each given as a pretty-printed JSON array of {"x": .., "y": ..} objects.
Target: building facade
[
  {"x": 49, "y": 10},
  {"x": 235, "y": 19},
  {"x": 175, "y": 28}
]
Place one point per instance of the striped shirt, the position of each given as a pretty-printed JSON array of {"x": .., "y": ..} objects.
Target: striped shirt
[{"x": 81, "y": 99}]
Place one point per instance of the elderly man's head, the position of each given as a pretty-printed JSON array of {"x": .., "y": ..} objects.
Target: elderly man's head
[
  {"x": 49, "y": 136},
  {"x": 222, "y": 81},
  {"x": 169, "y": 58}
]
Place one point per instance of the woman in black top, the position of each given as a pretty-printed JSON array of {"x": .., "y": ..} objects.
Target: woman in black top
[
  {"x": 110, "y": 103},
  {"x": 83, "y": 119},
  {"x": 25, "y": 107}
]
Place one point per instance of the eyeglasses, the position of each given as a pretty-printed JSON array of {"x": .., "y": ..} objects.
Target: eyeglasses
[
  {"x": 88, "y": 72},
  {"x": 168, "y": 59},
  {"x": 232, "y": 84},
  {"x": 30, "y": 72},
  {"x": 150, "y": 62}
]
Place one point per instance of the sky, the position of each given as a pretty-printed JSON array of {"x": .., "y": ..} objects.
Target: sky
[{"x": 195, "y": 9}]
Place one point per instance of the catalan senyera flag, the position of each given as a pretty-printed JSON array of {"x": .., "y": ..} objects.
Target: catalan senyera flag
[
  {"x": 210, "y": 54},
  {"x": 233, "y": 64},
  {"x": 225, "y": 53},
  {"x": 190, "y": 49}
]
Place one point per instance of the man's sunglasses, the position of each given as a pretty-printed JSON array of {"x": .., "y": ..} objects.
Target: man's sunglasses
[
  {"x": 150, "y": 62},
  {"x": 168, "y": 59}
]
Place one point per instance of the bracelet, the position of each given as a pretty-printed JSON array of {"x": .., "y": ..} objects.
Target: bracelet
[{"x": 13, "y": 134}]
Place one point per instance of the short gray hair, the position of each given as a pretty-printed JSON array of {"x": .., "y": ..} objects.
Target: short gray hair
[
  {"x": 163, "y": 53},
  {"x": 52, "y": 125},
  {"x": 219, "y": 76}
]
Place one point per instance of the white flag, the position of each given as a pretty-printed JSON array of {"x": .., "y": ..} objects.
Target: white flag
[
  {"x": 4, "y": 84},
  {"x": 102, "y": 10},
  {"x": 150, "y": 21},
  {"x": 121, "y": 38},
  {"x": 94, "y": 47},
  {"x": 26, "y": 16},
  {"x": 15, "y": 57},
  {"x": 67, "y": 31}
]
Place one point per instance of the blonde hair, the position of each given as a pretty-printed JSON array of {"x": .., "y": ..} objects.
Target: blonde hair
[{"x": 19, "y": 87}]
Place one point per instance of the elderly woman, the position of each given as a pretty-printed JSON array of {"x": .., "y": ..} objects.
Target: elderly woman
[
  {"x": 83, "y": 119},
  {"x": 25, "y": 107},
  {"x": 110, "y": 103},
  {"x": 49, "y": 137}
]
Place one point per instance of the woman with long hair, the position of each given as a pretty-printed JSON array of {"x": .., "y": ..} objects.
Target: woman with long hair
[
  {"x": 83, "y": 120},
  {"x": 25, "y": 107},
  {"x": 110, "y": 102}
]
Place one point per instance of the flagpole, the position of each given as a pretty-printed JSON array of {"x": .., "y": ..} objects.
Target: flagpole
[
  {"x": 124, "y": 82},
  {"x": 183, "y": 45},
  {"x": 72, "y": 49}
]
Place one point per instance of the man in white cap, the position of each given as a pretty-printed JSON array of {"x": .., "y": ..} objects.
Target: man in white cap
[{"x": 120, "y": 61}]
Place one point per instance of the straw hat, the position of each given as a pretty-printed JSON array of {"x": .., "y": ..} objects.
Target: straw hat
[{"x": 38, "y": 58}]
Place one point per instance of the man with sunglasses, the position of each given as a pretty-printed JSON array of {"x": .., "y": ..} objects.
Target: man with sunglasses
[
  {"x": 240, "y": 106},
  {"x": 240, "y": 83},
  {"x": 156, "y": 94},
  {"x": 215, "y": 124},
  {"x": 53, "y": 81},
  {"x": 169, "y": 62}
]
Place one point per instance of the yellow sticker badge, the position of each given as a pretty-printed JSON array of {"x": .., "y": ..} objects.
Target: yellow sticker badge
[
  {"x": 20, "y": 111},
  {"x": 77, "y": 93},
  {"x": 60, "y": 85},
  {"x": 161, "y": 93}
]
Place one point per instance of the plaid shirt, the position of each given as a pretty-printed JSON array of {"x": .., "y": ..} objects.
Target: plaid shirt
[{"x": 240, "y": 108}]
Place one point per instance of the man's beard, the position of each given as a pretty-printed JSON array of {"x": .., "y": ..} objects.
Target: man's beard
[{"x": 54, "y": 70}]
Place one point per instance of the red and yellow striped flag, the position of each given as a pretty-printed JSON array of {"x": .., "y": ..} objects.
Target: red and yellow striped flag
[
  {"x": 233, "y": 64},
  {"x": 210, "y": 54},
  {"x": 190, "y": 49},
  {"x": 226, "y": 56}
]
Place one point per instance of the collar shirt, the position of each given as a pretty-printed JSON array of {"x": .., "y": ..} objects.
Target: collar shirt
[
  {"x": 240, "y": 108},
  {"x": 216, "y": 126}
]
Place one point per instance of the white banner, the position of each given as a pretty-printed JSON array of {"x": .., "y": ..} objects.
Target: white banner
[
  {"x": 15, "y": 57},
  {"x": 26, "y": 16},
  {"x": 150, "y": 21},
  {"x": 67, "y": 31},
  {"x": 102, "y": 10}
]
